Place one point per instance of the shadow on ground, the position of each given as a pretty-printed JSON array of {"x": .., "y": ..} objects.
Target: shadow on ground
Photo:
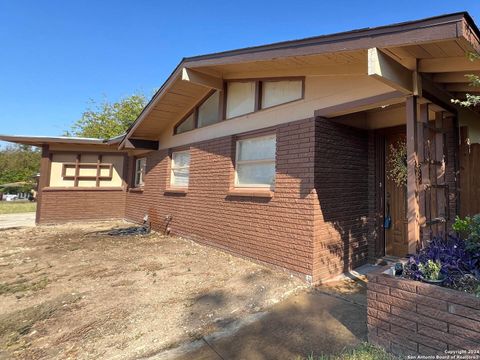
[{"x": 324, "y": 320}]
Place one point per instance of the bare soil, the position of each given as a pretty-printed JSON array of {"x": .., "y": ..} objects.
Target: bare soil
[{"x": 69, "y": 292}]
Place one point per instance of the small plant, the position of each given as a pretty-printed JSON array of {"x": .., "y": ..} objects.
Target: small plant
[{"x": 431, "y": 270}]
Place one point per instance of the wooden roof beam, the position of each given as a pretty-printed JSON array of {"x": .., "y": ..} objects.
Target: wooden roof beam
[
  {"x": 454, "y": 77},
  {"x": 447, "y": 65},
  {"x": 202, "y": 79},
  {"x": 390, "y": 72},
  {"x": 466, "y": 88},
  {"x": 369, "y": 103}
]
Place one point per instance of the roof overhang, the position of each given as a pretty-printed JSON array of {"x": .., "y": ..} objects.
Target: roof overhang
[
  {"x": 195, "y": 76},
  {"x": 46, "y": 140}
]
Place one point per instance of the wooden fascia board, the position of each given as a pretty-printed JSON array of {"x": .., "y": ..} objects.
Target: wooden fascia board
[
  {"x": 358, "y": 40},
  {"x": 199, "y": 78},
  {"x": 369, "y": 103},
  {"x": 390, "y": 72}
]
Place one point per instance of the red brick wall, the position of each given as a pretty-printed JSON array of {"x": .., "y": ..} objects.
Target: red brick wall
[
  {"x": 58, "y": 205},
  {"x": 341, "y": 183},
  {"x": 278, "y": 231},
  {"x": 409, "y": 317}
]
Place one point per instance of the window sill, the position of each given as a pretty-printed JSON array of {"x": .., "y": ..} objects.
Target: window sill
[
  {"x": 254, "y": 192},
  {"x": 136, "y": 190},
  {"x": 175, "y": 191}
]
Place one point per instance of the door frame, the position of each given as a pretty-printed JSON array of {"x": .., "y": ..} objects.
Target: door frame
[{"x": 380, "y": 136}]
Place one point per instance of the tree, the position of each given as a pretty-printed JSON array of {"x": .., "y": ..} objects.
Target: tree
[
  {"x": 105, "y": 120},
  {"x": 19, "y": 163}
]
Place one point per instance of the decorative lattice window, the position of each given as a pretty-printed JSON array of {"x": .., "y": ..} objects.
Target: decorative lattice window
[{"x": 88, "y": 171}]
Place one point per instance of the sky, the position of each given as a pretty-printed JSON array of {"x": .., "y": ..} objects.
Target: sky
[{"x": 57, "y": 55}]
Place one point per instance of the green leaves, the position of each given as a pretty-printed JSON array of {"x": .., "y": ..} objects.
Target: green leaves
[
  {"x": 19, "y": 163},
  {"x": 105, "y": 120}
]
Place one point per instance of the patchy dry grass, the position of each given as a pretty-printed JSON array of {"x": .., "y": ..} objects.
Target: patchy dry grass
[
  {"x": 17, "y": 324},
  {"x": 140, "y": 294},
  {"x": 13, "y": 207}
]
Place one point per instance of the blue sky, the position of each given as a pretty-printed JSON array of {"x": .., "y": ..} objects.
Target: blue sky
[{"x": 56, "y": 55}]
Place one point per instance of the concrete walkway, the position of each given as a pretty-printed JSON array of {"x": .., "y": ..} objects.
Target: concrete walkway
[
  {"x": 318, "y": 322},
  {"x": 8, "y": 221}
]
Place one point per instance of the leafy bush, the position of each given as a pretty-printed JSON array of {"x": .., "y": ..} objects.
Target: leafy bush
[
  {"x": 469, "y": 229},
  {"x": 459, "y": 266},
  {"x": 431, "y": 270}
]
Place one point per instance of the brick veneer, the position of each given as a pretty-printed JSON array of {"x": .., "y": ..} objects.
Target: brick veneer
[
  {"x": 315, "y": 223},
  {"x": 277, "y": 230},
  {"x": 408, "y": 317},
  {"x": 63, "y": 205},
  {"x": 341, "y": 183}
]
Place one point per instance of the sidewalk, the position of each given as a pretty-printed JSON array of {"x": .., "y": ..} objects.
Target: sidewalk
[{"x": 8, "y": 221}]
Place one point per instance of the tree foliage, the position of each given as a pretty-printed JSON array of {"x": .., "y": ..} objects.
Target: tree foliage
[
  {"x": 108, "y": 119},
  {"x": 19, "y": 163}
]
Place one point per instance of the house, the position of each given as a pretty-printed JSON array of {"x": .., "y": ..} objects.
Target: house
[{"x": 282, "y": 153}]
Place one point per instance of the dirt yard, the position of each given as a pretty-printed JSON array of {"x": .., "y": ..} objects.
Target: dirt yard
[{"x": 69, "y": 292}]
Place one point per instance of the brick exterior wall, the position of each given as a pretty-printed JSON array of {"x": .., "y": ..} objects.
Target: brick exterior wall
[
  {"x": 278, "y": 230},
  {"x": 64, "y": 205},
  {"x": 341, "y": 183},
  {"x": 409, "y": 317}
]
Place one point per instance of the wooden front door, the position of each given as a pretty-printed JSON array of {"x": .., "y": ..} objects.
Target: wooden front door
[{"x": 396, "y": 243}]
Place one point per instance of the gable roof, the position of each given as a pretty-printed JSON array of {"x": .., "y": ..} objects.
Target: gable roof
[{"x": 438, "y": 28}]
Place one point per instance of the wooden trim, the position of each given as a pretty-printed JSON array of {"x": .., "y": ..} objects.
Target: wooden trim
[
  {"x": 413, "y": 229},
  {"x": 361, "y": 104},
  {"x": 380, "y": 186},
  {"x": 44, "y": 180}
]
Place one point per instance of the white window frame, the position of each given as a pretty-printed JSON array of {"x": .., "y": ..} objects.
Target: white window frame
[
  {"x": 174, "y": 167},
  {"x": 139, "y": 180},
  {"x": 263, "y": 161}
]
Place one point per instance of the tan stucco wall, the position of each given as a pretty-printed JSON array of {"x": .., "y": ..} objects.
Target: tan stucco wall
[
  {"x": 320, "y": 92},
  {"x": 472, "y": 121},
  {"x": 58, "y": 159}
]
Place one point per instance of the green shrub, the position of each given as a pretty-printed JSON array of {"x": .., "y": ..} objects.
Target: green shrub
[{"x": 469, "y": 229}]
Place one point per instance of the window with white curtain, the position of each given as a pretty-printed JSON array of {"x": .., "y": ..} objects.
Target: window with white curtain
[
  {"x": 140, "y": 166},
  {"x": 255, "y": 162},
  {"x": 280, "y": 92},
  {"x": 208, "y": 111},
  {"x": 180, "y": 168},
  {"x": 240, "y": 98}
]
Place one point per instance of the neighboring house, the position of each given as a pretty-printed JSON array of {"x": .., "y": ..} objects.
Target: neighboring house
[{"x": 279, "y": 152}]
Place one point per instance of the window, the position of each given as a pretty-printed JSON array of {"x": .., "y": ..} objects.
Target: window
[
  {"x": 180, "y": 168},
  {"x": 186, "y": 125},
  {"x": 255, "y": 162},
  {"x": 140, "y": 165},
  {"x": 240, "y": 98},
  {"x": 208, "y": 112},
  {"x": 280, "y": 92}
]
